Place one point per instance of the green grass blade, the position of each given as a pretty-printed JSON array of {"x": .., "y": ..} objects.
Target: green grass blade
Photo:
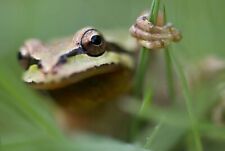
[
  {"x": 169, "y": 75},
  {"x": 169, "y": 66},
  {"x": 147, "y": 101},
  {"x": 141, "y": 70},
  {"x": 153, "y": 135},
  {"x": 144, "y": 54},
  {"x": 188, "y": 100},
  {"x": 140, "y": 74},
  {"x": 27, "y": 103}
]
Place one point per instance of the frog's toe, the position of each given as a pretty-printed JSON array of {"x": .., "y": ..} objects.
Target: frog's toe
[
  {"x": 149, "y": 36},
  {"x": 176, "y": 35},
  {"x": 154, "y": 44},
  {"x": 144, "y": 24},
  {"x": 152, "y": 40},
  {"x": 154, "y": 36}
]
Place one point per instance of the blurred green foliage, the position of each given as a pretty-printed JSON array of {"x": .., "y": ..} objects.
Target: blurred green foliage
[
  {"x": 25, "y": 122},
  {"x": 201, "y": 22}
]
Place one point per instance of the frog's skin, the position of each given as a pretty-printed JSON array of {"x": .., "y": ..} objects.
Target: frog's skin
[
  {"x": 78, "y": 71},
  {"x": 85, "y": 70}
]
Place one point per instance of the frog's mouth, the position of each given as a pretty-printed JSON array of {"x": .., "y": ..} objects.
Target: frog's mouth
[{"x": 77, "y": 68}]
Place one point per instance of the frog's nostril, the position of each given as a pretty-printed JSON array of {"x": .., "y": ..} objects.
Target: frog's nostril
[
  {"x": 39, "y": 65},
  {"x": 19, "y": 56}
]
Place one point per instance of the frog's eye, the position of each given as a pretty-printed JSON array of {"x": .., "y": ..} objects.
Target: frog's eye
[
  {"x": 93, "y": 43},
  {"x": 96, "y": 40},
  {"x": 26, "y": 61}
]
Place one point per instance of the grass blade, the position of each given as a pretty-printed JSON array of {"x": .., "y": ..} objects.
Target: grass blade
[
  {"x": 145, "y": 54},
  {"x": 169, "y": 67},
  {"x": 187, "y": 97},
  {"x": 140, "y": 74},
  {"x": 153, "y": 135}
]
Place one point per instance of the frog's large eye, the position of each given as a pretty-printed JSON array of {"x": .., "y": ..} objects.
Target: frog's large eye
[
  {"x": 93, "y": 43},
  {"x": 26, "y": 61}
]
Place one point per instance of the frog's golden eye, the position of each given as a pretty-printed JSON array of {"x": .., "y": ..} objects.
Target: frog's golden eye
[
  {"x": 93, "y": 43},
  {"x": 26, "y": 61}
]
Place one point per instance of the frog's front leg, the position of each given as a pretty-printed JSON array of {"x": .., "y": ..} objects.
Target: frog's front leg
[{"x": 154, "y": 36}]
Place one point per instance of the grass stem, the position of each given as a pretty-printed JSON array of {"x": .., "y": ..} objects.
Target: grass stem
[
  {"x": 140, "y": 74},
  {"x": 169, "y": 67},
  {"x": 169, "y": 75},
  {"x": 145, "y": 54},
  {"x": 188, "y": 102},
  {"x": 150, "y": 139}
]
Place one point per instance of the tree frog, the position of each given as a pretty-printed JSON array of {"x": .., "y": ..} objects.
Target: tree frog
[{"x": 84, "y": 71}]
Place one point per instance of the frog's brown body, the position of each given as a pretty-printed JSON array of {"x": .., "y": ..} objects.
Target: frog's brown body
[
  {"x": 85, "y": 72},
  {"x": 89, "y": 93},
  {"x": 92, "y": 104}
]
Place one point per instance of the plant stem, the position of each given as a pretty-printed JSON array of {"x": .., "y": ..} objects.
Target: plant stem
[
  {"x": 145, "y": 54},
  {"x": 169, "y": 67},
  {"x": 187, "y": 97},
  {"x": 146, "y": 103},
  {"x": 169, "y": 75},
  {"x": 140, "y": 74},
  {"x": 150, "y": 139}
]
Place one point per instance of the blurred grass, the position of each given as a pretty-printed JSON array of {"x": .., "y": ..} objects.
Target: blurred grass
[
  {"x": 189, "y": 104},
  {"x": 140, "y": 73},
  {"x": 25, "y": 122},
  {"x": 144, "y": 54}
]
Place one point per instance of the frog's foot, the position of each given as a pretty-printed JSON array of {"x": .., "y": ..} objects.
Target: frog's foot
[{"x": 154, "y": 36}]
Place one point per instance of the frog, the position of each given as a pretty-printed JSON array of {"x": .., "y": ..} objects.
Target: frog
[{"x": 86, "y": 72}]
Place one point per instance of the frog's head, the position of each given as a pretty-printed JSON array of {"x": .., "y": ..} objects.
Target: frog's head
[{"x": 70, "y": 60}]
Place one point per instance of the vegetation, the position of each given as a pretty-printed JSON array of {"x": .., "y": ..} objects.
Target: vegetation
[{"x": 195, "y": 87}]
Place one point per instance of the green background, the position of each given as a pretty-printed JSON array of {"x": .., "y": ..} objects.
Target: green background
[
  {"x": 201, "y": 22},
  {"x": 25, "y": 122}
]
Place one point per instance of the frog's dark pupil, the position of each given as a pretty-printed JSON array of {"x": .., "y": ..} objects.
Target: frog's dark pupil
[{"x": 96, "y": 40}]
